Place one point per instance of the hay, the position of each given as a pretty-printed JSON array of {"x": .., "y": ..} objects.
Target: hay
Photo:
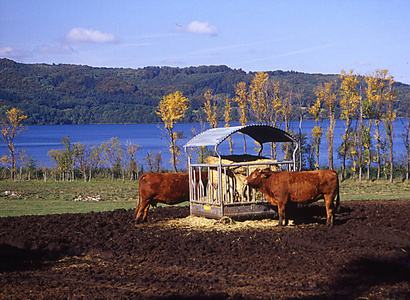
[
  {"x": 193, "y": 223},
  {"x": 233, "y": 181}
]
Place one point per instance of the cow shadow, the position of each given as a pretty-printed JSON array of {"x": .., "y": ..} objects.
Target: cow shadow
[
  {"x": 362, "y": 274},
  {"x": 315, "y": 214},
  {"x": 14, "y": 258}
]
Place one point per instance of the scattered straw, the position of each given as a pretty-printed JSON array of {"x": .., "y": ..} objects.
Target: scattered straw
[{"x": 225, "y": 224}]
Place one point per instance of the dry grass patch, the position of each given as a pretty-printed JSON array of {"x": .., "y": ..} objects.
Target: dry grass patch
[{"x": 225, "y": 224}]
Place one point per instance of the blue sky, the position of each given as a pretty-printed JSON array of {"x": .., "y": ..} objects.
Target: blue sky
[{"x": 307, "y": 36}]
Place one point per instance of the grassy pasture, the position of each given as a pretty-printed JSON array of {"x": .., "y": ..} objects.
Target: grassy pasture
[
  {"x": 40, "y": 198},
  {"x": 374, "y": 190}
]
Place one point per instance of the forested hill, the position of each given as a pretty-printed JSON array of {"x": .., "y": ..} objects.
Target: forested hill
[{"x": 75, "y": 94}]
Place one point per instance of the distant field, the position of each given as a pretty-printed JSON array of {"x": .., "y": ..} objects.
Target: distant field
[
  {"x": 40, "y": 198},
  {"x": 374, "y": 190}
]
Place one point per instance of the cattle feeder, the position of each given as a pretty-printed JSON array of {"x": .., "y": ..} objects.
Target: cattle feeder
[{"x": 223, "y": 192}]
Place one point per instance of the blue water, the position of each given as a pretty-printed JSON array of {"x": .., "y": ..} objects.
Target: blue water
[{"x": 38, "y": 140}]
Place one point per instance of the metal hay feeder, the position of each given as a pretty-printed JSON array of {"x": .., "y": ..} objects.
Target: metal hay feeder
[{"x": 222, "y": 194}]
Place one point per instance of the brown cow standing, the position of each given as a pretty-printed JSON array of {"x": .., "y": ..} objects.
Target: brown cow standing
[
  {"x": 168, "y": 188},
  {"x": 281, "y": 188}
]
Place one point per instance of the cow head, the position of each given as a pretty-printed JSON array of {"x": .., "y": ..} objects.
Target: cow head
[{"x": 255, "y": 179}]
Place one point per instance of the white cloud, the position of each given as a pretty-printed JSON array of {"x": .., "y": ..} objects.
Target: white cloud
[
  {"x": 13, "y": 53},
  {"x": 82, "y": 35},
  {"x": 363, "y": 63},
  {"x": 171, "y": 61},
  {"x": 201, "y": 28},
  {"x": 62, "y": 49},
  {"x": 291, "y": 53}
]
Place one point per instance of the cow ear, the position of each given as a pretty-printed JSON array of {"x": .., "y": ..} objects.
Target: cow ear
[{"x": 265, "y": 173}]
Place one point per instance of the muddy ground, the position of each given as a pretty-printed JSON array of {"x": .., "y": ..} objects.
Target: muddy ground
[{"x": 175, "y": 256}]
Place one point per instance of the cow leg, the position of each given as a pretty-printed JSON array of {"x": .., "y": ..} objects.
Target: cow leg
[
  {"x": 144, "y": 218},
  {"x": 142, "y": 207},
  {"x": 282, "y": 215},
  {"x": 329, "y": 209}
]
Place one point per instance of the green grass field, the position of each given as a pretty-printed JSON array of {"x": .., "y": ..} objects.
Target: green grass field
[{"x": 40, "y": 198}]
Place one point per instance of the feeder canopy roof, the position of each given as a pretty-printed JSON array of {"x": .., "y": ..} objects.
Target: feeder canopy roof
[{"x": 260, "y": 133}]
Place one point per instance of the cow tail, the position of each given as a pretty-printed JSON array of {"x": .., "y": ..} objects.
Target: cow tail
[
  {"x": 338, "y": 201},
  {"x": 139, "y": 199}
]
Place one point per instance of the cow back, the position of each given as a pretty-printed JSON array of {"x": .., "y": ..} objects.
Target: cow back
[
  {"x": 168, "y": 188},
  {"x": 302, "y": 187}
]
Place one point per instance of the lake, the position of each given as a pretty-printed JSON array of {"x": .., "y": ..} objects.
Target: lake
[{"x": 38, "y": 140}]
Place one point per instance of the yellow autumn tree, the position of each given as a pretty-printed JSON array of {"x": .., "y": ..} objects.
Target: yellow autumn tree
[
  {"x": 276, "y": 104},
  {"x": 172, "y": 108},
  {"x": 317, "y": 132},
  {"x": 286, "y": 110},
  {"x": 12, "y": 126},
  {"x": 388, "y": 118},
  {"x": 210, "y": 109},
  {"x": 258, "y": 97},
  {"x": 258, "y": 100},
  {"x": 242, "y": 98},
  {"x": 228, "y": 119},
  {"x": 274, "y": 111},
  {"x": 369, "y": 112},
  {"x": 349, "y": 103},
  {"x": 329, "y": 99},
  {"x": 381, "y": 93}
]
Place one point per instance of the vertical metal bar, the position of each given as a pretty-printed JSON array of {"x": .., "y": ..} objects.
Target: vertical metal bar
[
  {"x": 248, "y": 196},
  {"x": 193, "y": 181},
  {"x": 198, "y": 187},
  {"x": 232, "y": 188},
  {"x": 209, "y": 196},
  {"x": 190, "y": 185},
  {"x": 220, "y": 185},
  {"x": 294, "y": 156},
  {"x": 202, "y": 192},
  {"x": 189, "y": 179},
  {"x": 225, "y": 187}
]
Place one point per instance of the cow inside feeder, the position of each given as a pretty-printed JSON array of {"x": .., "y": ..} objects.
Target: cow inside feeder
[{"x": 224, "y": 193}]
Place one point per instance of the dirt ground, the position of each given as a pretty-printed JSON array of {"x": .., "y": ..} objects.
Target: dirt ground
[{"x": 176, "y": 256}]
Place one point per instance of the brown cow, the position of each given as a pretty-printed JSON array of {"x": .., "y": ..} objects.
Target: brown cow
[
  {"x": 168, "y": 188},
  {"x": 281, "y": 188}
]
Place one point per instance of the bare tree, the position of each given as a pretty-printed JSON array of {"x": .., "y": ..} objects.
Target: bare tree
[
  {"x": 406, "y": 141},
  {"x": 81, "y": 156},
  {"x": 113, "y": 155},
  {"x": 130, "y": 158},
  {"x": 158, "y": 161}
]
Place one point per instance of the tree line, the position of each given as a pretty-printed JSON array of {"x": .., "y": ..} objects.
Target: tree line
[
  {"x": 73, "y": 160},
  {"x": 74, "y": 94},
  {"x": 364, "y": 105}
]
